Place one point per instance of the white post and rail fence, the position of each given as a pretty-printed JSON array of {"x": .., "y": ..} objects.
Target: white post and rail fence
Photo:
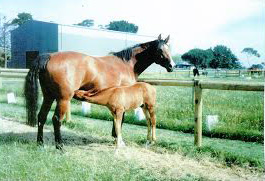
[{"x": 197, "y": 85}]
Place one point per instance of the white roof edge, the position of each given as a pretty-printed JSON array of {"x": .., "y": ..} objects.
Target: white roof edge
[{"x": 97, "y": 29}]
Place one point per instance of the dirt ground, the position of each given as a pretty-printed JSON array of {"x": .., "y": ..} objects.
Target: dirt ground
[{"x": 174, "y": 165}]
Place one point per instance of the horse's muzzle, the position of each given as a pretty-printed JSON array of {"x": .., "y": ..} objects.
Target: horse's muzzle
[{"x": 170, "y": 69}]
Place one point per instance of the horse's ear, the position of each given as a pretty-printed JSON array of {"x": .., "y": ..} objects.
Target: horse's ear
[
  {"x": 159, "y": 37},
  {"x": 166, "y": 40}
]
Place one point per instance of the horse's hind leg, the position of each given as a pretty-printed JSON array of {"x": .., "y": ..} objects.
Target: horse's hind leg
[
  {"x": 150, "y": 115},
  {"x": 42, "y": 117},
  {"x": 61, "y": 108},
  {"x": 151, "y": 110},
  {"x": 148, "y": 120}
]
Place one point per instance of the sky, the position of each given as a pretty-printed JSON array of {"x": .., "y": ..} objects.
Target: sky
[{"x": 190, "y": 23}]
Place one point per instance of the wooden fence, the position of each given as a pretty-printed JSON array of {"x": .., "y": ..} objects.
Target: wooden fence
[
  {"x": 208, "y": 72},
  {"x": 198, "y": 86}
]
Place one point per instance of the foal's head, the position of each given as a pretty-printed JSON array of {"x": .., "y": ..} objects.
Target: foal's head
[{"x": 158, "y": 51}]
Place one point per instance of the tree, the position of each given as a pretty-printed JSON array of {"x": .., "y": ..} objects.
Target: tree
[
  {"x": 224, "y": 58},
  {"x": 21, "y": 18},
  {"x": 4, "y": 56},
  {"x": 177, "y": 58},
  {"x": 123, "y": 26},
  {"x": 250, "y": 52},
  {"x": 198, "y": 57},
  {"x": 257, "y": 66},
  {"x": 87, "y": 23},
  {"x": 5, "y": 44}
]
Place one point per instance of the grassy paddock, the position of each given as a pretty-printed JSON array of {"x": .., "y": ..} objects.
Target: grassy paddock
[
  {"x": 240, "y": 112},
  {"x": 90, "y": 155},
  {"x": 89, "y": 147}
]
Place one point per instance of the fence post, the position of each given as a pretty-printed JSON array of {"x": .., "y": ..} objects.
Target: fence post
[{"x": 197, "y": 114}]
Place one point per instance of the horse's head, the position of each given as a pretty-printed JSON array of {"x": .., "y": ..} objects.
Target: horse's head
[{"x": 162, "y": 54}]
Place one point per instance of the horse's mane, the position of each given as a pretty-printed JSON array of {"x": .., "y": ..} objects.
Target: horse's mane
[{"x": 126, "y": 54}]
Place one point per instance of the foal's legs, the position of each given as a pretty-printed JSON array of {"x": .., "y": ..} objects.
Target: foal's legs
[
  {"x": 117, "y": 123},
  {"x": 148, "y": 120},
  {"x": 42, "y": 117},
  {"x": 113, "y": 126},
  {"x": 61, "y": 108},
  {"x": 149, "y": 112}
]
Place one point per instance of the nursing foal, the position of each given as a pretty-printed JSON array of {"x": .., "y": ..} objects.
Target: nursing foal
[{"x": 121, "y": 99}]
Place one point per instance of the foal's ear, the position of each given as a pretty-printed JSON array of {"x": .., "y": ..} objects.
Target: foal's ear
[
  {"x": 159, "y": 37},
  {"x": 166, "y": 40}
]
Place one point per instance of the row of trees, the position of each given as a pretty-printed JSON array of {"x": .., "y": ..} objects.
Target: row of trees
[
  {"x": 122, "y": 25},
  {"x": 7, "y": 25},
  {"x": 218, "y": 57}
]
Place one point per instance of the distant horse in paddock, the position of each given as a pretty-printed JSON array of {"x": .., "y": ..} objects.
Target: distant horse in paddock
[
  {"x": 121, "y": 99},
  {"x": 204, "y": 72},
  {"x": 61, "y": 74},
  {"x": 196, "y": 72}
]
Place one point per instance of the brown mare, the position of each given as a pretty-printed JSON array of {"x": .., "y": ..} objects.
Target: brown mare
[
  {"x": 123, "y": 98},
  {"x": 61, "y": 74}
]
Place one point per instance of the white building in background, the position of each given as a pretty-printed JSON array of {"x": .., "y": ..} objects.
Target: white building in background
[{"x": 37, "y": 37}]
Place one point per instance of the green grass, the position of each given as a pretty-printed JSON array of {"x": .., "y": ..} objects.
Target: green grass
[
  {"x": 89, "y": 154},
  {"x": 240, "y": 112}
]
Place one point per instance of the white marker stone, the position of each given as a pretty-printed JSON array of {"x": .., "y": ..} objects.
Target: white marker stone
[
  {"x": 211, "y": 121},
  {"x": 86, "y": 108},
  {"x": 11, "y": 98},
  {"x": 139, "y": 114}
]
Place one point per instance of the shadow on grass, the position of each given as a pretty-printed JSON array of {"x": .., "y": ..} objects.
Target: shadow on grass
[{"x": 69, "y": 139}]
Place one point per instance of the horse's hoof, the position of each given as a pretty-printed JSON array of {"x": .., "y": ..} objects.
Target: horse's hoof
[
  {"x": 40, "y": 143},
  {"x": 149, "y": 143},
  {"x": 59, "y": 147},
  {"x": 120, "y": 145}
]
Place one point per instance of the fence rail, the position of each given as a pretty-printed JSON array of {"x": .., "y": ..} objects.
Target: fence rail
[
  {"x": 209, "y": 73},
  {"x": 198, "y": 86}
]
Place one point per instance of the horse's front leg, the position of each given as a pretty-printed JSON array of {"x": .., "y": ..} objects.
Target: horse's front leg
[{"x": 117, "y": 124}]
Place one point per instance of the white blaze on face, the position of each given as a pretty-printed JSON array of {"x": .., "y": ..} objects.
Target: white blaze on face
[
  {"x": 166, "y": 51},
  {"x": 172, "y": 63}
]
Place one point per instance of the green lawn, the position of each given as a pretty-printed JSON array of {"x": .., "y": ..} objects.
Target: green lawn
[
  {"x": 90, "y": 155},
  {"x": 240, "y": 112}
]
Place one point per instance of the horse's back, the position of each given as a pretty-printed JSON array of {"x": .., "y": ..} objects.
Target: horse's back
[{"x": 65, "y": 72}]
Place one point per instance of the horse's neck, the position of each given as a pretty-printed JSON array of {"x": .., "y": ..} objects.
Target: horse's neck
[{"x": 141, "y": 63}]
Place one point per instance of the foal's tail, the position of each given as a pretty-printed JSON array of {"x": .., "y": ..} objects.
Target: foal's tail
[{"x": 31, "y": 88}]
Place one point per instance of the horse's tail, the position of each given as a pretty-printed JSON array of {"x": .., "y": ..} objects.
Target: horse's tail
[{"x": 31, "y": 88}]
